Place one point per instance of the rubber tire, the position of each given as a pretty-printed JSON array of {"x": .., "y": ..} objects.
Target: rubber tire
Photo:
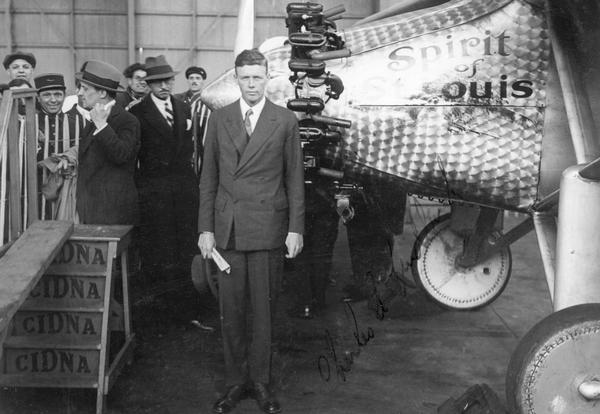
[
  {"x": 452, "y": 303},
  {"x": 532, "y": 364}
]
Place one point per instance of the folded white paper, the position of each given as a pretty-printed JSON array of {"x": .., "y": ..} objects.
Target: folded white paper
[{"x": 220, "y": 262}]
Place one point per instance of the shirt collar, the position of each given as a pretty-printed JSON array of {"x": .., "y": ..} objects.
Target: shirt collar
[
  {"x": 160, "y": 103},
  {"x": 256, "y": 109}
]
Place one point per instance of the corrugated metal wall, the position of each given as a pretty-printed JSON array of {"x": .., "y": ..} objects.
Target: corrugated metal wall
[{"x": 62, "y": 34}]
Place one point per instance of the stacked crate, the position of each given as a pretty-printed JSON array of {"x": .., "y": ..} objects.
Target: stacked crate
[{"x": 74, "y": 329}]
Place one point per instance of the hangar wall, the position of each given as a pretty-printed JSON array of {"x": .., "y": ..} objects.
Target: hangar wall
[{"x": 63, "y": 34}]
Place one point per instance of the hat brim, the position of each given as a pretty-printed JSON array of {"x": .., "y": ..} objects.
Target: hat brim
[
  {"x": 50, "y": 87},
  {"x": 79, "y": 77},
  {"x": 160, "y": 76}
]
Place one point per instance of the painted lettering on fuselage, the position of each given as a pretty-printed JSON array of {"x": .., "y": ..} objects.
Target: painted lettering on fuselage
[{"x": 457, "y": 51}]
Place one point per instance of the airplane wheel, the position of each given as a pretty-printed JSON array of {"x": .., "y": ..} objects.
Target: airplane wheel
[
  {"x": 556, "y": 366},
  {"x": 205, "y": 276},
  {"x": 434, "y": 268}
]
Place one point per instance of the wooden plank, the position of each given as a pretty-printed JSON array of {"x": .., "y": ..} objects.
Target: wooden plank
[
  {"x": 26, "y": 261},
  {"x": 124, "y": 357},
  {"x": 47, "y": 324},
  {"x": 100, "y": 233},
  {"x": 50, "y": 381},
  {"x": 80, "y": 256},
  {"x": 3, "y": 335},
  {"x": 47, "y": 361},
  {"x": 51, "y": 306},
  {"x": 61, "y": 291},
  {"x": 14, "y": 176},
  {"x": 105, "y": 335},
  {"x": 31, "y": 163},
  {"x": 45, "y": 342}
]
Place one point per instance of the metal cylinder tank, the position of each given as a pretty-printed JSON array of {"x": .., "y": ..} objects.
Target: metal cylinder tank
[{"x": 578, "y": 241}]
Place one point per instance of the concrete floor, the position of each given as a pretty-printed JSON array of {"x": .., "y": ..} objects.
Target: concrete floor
[{"x": 418, "y": 355}]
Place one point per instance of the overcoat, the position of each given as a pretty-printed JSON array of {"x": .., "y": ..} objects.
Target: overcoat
[
  {"x": 164, "y": 150},
  {"x": 106, "y": 192},
  {"x": 255, "y": 186},
  {"x": 168, "y": 188}
]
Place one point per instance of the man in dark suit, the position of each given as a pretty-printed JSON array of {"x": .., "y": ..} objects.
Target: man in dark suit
[
  {"x": 251, "y": 206},
  {"x": 109, "y": 144},
  {"x": 166, "y": 180}
]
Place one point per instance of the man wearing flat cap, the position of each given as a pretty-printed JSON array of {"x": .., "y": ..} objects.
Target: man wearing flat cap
[
  {"x": 167, "y": 183},
  {"x": 137, "y": 88},
  {"x": 106, "y": 192},
  {"x": 56, "y": 136},
  {"x": 57, "y": 132},
  {"x": 195, "y": 77},
  {"x": 19, "y": 65}
]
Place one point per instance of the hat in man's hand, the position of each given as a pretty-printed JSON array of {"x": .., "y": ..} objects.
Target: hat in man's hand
[
  {"x": 11, "y": 57},
  {"x": 157, "y": 68},
  {"x": 100, "y": 75},
  {"x": 49, "y": 81}
]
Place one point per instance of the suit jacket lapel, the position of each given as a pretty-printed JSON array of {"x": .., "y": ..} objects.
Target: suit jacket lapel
[
  {"x": 266, "y": 125},
  {"x": 233, "y": 125},
  {"x": 86, "y": 137},
  {"x": 179, "y": 122},
  {"x": 155, "y": 118}
]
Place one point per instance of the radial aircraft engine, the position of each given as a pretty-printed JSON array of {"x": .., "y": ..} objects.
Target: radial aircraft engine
[{"x": 458, "y": 102}]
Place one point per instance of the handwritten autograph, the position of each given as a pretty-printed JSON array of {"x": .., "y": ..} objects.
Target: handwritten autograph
[{"x": 342, "y": 362}]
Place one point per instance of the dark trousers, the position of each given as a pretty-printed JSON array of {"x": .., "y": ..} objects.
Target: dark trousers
[
  {"x": 253, "y": 284},
  {"x": 168, "y": 232}
]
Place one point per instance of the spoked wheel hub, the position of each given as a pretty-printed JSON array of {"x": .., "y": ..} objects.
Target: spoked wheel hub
[{"x": 435, "y": 264}]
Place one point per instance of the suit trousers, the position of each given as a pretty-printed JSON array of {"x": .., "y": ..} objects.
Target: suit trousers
[{"x": 253, "y": 284}]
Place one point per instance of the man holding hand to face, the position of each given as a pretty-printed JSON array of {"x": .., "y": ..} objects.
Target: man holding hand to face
[
  {"x": 106, "y": 192},
  {"x": 251, "y": 210}
]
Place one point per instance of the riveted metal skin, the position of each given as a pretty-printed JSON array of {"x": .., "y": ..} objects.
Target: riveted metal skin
[{"x": 449, "y": 99}]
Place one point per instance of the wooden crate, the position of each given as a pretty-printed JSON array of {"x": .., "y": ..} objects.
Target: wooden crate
[{"x": 61, "y": 335}]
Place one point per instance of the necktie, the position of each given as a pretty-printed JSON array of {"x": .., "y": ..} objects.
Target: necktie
[
  {"x": 169, "y": 114},
  {"x": 248, "y": 122}
]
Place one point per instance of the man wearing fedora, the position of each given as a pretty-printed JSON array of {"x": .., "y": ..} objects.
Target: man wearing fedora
[
  {"x": 19, "y": 65},
  {"x": 251, "y": 210},
  {"x": 166, "y": 180},
  {"x": 106, "y": 192}
]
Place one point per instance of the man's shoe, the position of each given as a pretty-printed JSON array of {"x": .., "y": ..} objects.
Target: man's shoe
[
  {"x": 228, "y": 401},
  {"x": 266, "y": 401}
]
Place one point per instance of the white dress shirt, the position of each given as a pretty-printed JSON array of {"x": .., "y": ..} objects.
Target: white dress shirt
[
  {"x": 256, "y": 110},
  {"x": 160, "y": 104}
]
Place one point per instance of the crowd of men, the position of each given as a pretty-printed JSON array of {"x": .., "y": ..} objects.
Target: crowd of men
[
  {"x": 144, "y": 172},
  {"x": 136, "y": 163},
  {"x": 137, "y": 157}
]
